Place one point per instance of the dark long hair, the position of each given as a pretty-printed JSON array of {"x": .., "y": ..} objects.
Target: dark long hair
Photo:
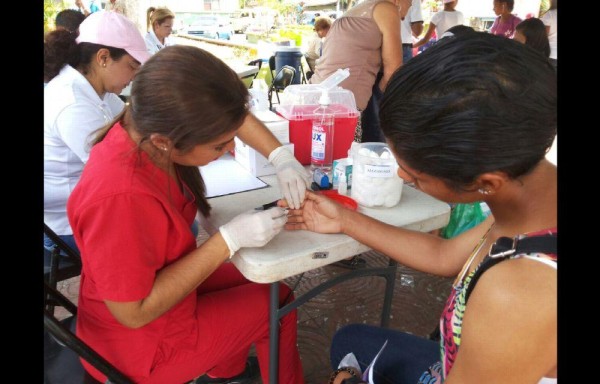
[
  {"x": 470, "y": 105},
  {"x": 69, "y": 19},
  {"x": 190, "y": 96},
  {"x": 535, "y": 34},
  {"x": 510, "y": 4}
]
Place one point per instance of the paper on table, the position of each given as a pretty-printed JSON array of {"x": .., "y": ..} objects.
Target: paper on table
[
  {"x": 267, "y": 116},
  {"x": 226, "y": 176}
]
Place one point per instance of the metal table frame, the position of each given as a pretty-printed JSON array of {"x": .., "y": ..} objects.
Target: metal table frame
[{"x": 275, "y": 313}]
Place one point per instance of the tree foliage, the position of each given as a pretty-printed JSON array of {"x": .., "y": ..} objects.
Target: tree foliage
[{"x": 51, "y": 8}]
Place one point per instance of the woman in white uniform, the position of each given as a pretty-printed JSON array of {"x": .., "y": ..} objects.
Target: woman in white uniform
[
  {"x": 160, "y": 25},
  {"x": 86, "y": 74}
]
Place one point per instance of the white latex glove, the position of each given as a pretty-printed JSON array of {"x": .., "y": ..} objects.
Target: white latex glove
[
  {"x": 293, "y": 178},
  {"x": 253, "y": 228}
]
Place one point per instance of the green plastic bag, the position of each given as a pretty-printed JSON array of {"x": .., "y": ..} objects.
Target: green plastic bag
[{"x": 463, "y": 217}]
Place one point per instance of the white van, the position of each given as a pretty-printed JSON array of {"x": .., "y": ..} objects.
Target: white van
[{"x": 242, "y": 19}]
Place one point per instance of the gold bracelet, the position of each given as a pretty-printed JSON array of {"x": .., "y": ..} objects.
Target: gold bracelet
[{"x": 343, "y": 369}]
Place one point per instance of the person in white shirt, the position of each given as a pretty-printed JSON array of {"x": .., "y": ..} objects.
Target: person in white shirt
[
  {"x": 315, "y": 45},
  {"x": 441, "y": 21},
  {"x": 160, "y": 25},
  {"x": 117, "y": 6},
  {"x": 81, "y": 97},
  {"x": 550, "y": 21},
  {"x": 411, "y": 25}
]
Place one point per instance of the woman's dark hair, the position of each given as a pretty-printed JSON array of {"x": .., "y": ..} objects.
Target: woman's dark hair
[
  {"x": 510, "y": 4},
  {"x": 190, "y": 96},
  {"x": 60, "y": 49},
  {"x": 535, "y": 34},
  {"x": 460, "y": 30},
  {"x": 470, "y": 105},
  {"x": 69, "y": 19}
]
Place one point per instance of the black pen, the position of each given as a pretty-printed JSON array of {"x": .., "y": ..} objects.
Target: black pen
[{"x": 264, "y": 207}]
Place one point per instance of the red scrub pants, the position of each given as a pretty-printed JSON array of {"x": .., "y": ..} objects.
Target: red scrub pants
[{"x": 233, "y": 314}]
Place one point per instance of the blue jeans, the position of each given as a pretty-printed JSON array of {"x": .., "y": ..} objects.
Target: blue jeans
[
  {"x": 407, "y": 53},
  {"x": 69, "y": 239},
  {"x": 195, "y": 228},
  {"x": 402, "y": 361},
  {"x": 369, "y": 117}
]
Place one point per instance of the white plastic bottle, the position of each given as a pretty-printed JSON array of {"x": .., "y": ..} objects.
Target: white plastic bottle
[
  {"x": 343, "y": 186},
  {"x": 259, "y": 100},
  {"x": 321, "y": 154}
]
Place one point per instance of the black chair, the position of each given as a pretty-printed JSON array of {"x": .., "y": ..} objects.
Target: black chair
[
  {"x": 62, "y": 348},
  {"x": 258, "y": 63},
  {"x": 60, "y": 263},
  {"x": 272, "y": 67},
  {"x": 282, "y": 79}
]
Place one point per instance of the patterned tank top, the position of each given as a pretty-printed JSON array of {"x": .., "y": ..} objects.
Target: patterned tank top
[{"x": 452, "y": 315}]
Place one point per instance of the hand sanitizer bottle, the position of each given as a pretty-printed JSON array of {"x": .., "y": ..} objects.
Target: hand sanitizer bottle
[{"x": 321, "y": 154}]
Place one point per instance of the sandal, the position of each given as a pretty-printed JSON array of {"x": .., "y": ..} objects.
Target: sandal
[{"x": 355, "y": 262}]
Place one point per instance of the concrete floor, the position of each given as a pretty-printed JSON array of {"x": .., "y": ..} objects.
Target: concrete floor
[{"x": 416, "y": 306}]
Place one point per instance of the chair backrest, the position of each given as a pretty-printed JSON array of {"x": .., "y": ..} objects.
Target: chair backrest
[
  {"x": 272, "y": 66},
  {"x": 60, "y": 263},
  {"x": 65, "y": 249},
  {"x": 62, "y": 348},
  {"x": 284, "y": 77},
  {"x": 257, "y": 63}
]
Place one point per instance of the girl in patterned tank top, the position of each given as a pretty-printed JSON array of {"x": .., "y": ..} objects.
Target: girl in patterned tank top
[{"x": 444, "y": 114}]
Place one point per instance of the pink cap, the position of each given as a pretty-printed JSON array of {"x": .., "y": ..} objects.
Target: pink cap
[{"x": 113, "y": 30}]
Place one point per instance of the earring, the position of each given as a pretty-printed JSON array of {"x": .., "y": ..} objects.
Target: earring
[
  {"x": 483, "y": 191},
  {"x": 164, "y": 148},
  {"x": 103, "y": 65}
]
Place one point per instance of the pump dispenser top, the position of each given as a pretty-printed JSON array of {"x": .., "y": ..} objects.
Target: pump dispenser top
[{"x": 330, "y": 82}]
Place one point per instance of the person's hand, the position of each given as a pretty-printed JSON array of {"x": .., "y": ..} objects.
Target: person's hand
[
  {"x": 253, "y": 228},
  {"x": 317, "y": 214},
  {"x": 293, "y": 178}
]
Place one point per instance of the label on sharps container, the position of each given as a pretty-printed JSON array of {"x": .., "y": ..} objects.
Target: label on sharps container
[{"x": 383, "y": 171}]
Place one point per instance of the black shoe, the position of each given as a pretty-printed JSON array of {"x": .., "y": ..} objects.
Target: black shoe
[
  {"x": 356, "y": 262},
  {"x": 251, "y": 373}
]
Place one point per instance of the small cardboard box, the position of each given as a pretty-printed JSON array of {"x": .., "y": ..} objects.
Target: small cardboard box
[
  {"x": 276, "y": 124},
  {"x": 253, "y": 161}
]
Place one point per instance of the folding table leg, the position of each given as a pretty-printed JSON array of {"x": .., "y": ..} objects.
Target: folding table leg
[{"x": 274, "y": 334}]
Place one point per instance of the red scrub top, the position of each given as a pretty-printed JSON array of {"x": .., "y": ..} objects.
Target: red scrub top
[{"x": 129, "y": 219}]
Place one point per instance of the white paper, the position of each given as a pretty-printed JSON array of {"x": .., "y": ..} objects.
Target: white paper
[
  {"x": 350, "y": 361},
  {"x": 226, "y": 176},
  {"x": 369, "y": 371}
]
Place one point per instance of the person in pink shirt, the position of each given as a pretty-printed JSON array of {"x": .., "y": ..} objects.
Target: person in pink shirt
[{"x": 506, "y": 22}]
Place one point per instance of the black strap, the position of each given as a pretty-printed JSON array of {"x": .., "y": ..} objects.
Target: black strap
[
  {"x": 505, "y": 247},
  {"x": 353, "y": 380}
]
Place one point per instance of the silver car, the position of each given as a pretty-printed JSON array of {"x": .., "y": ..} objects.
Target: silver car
[{"x": 212, "y": 27}]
